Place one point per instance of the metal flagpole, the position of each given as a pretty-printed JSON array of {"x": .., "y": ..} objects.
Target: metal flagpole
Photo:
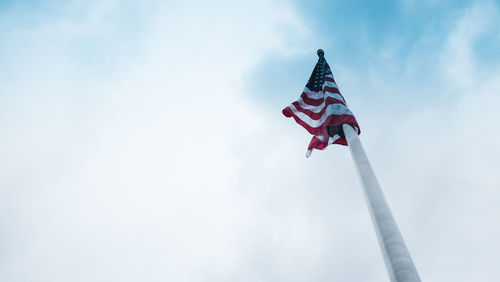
[{"x": 396, "y": 256}]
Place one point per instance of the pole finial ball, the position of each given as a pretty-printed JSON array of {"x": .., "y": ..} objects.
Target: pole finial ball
[{"x": 320, "y": 53}]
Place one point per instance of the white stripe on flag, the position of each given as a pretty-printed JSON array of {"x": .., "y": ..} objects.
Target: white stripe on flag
[
  {"x": 333, "y": 109},
  {"x": 330, "y": 84},
  {"x": 317, "y": 109},
  {"x": 321, "y": 94}
]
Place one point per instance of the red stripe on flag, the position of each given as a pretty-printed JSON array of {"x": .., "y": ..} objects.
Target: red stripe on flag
[
  {"x": 331, "y": 89},
  {"x": 317, "y": 102},
  {"x": 327, "y": 78},
  {"x": 318, "y": 115},
  {"x": 331, "y": 120},
  {"x": 316, "y": 143}
]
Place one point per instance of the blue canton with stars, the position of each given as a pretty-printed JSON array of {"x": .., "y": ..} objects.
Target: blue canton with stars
[{"x": 317, "y": 78}]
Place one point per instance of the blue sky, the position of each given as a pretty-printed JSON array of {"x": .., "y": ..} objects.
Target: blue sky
[
  {"x": 145, "y": 141},
  {"x": 392, "y": 38}
]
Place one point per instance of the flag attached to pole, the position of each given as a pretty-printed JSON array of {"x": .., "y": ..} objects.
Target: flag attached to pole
[{"x": 321, "y": 109}]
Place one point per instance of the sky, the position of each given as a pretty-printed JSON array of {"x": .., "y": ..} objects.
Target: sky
[{"x": 144, "y": 141}]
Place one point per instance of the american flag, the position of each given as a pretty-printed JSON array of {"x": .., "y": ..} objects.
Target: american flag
[{"x": 321, "y": 109}]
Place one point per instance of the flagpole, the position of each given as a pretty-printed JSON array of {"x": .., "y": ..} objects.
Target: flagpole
[{"x": 396, "y": 256}]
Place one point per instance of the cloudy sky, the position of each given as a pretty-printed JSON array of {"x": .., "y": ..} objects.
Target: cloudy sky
[{"x": 144, "y": 140}]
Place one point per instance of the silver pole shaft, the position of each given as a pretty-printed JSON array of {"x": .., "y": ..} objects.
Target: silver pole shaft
[{"x": 396, "y": 256}]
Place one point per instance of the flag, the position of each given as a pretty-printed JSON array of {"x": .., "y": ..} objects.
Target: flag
[{"x": 321, "y": 109}]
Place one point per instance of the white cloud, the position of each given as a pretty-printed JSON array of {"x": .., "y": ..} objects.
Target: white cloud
[
  {"x": 131, "y": 174},
  {"x": 459, "y": 60},
  {"x": 437, "y": 160}
]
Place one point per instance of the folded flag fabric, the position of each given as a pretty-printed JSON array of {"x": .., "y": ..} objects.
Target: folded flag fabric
[{"x": 321, "y": 109}]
